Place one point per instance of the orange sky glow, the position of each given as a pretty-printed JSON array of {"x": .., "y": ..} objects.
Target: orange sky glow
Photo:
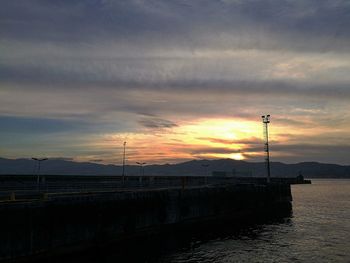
[{"x": 200, "y": 139}]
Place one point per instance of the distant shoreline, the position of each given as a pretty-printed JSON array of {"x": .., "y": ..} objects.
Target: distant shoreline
[{"x": 228, "y": 167}]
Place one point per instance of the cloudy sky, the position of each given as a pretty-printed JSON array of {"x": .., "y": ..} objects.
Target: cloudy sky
[{"x": 177, "y": 80}]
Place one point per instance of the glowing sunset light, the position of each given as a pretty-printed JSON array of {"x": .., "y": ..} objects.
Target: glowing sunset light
[
  {"x": 237, "y": 156},
  {"x": 205, "y": 138}
]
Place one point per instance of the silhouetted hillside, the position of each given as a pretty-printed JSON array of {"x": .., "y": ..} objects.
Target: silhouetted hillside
[{"x": 195, "y": 167}]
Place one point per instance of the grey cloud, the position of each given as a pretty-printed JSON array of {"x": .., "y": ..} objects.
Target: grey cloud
[
  {"x": 301, "y": 25},
  {"x": 156, "y": 123},
  {"x": 148, "y": 74},
  {"x": 38, "y": 126},
  {"x": 212, "y": 150},
  {"x": 248, "y": 141},
  {"x": 294, "y": 122},
  {"x": 335, "y": 138},
  {"x": 217, "y": 140},
  {"x": 124, "y": 105}
]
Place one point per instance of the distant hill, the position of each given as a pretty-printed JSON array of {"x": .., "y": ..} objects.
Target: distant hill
[{"x": 195, "y": 167}]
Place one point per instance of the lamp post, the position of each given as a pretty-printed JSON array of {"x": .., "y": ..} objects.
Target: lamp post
[
  {"x": 266, "y": 121},
  {"x": 142, "y": 169},
  {"x": 38, "y": 160}
]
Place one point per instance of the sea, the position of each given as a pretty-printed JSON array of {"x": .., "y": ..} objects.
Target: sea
[{"x": 318, "y": 230}]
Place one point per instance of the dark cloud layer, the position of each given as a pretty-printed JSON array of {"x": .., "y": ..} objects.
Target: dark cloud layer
[
  {"x": 262, "y": 24},
  {"x": 248, "y": 141},
  {"x": 156, "y": 123},
  {"x": 40, "y": 126}
]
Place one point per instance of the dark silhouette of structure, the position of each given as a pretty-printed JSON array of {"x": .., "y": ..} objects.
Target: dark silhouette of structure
[
  {"x": 38, "y": 160},
  {"x": 142, "y": 168},
  {"x": 123, "y": 174},
  {"x": 266, "y": 121}
]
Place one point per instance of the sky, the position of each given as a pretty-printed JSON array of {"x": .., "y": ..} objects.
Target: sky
[{"x": 177, "y": 80}]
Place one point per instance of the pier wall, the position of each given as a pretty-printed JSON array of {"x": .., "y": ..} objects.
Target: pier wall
[{"x": 74, "y": 221}]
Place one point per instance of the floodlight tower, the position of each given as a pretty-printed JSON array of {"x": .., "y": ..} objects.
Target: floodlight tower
[
  {"x": 266, "y": 121},
  {"x": 123, "y": 175}
]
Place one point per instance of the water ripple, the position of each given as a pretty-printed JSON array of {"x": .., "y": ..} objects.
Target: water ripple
[{"x": 318, "y": 231}]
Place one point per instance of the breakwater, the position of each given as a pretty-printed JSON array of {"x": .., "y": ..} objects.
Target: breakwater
[{"x": 71, "y": 221}]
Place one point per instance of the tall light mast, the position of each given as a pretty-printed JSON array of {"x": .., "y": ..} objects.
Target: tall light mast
[
  {"x": 266, "y": 121},
  {"x": 123, "y": 174}
]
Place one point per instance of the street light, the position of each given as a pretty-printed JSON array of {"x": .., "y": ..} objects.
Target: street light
[
  {"x": 142, "y": 169},
  {"x": 38, "y": 160}
]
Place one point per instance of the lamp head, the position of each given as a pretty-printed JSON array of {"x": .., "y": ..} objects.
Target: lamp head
[{"x": 266, "y": 118}]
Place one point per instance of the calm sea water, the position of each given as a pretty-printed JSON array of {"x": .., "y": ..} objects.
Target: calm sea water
[{"x": 318, "y": 231}]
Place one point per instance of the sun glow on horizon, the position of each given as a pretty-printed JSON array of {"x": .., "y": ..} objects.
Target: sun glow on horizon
[
  {"x": 237, "y": 156},
  {"x": 200, "y": 139}
]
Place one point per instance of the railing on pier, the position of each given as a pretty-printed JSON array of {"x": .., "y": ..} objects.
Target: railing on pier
[{"x": 14, "y": 187}]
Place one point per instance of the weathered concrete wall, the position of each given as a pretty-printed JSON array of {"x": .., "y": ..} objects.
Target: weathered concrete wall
[{"x": 78, "y": 220}]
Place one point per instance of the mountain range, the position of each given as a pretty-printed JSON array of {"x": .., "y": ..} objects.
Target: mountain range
[{"x": 190, "y": 168}]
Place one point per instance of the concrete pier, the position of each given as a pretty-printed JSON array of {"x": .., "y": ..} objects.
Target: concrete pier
[{"x": 70, "y": 221}]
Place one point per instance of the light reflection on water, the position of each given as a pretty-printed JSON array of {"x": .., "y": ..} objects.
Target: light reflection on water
[{"x": 318, "y": 231}]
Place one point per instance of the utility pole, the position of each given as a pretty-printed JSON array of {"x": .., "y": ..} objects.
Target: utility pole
[
  {"x": 38, "y": 160},
  {"x": 123, "y": 174},
  {"x": 266, "y": 121}
]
